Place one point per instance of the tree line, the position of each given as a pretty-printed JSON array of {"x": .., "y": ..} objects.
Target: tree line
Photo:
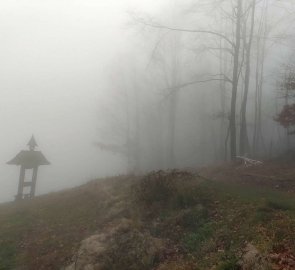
[{"x": 202, "y": 83}]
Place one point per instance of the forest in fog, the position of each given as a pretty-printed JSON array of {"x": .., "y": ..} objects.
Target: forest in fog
[
  {"x": 147, "y": 135},
  {"x": 203, "y": 83},
  {"x": 109, "y": 87}
]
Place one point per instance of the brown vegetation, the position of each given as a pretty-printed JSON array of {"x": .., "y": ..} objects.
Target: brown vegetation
[{"x": 165, "y": 220}]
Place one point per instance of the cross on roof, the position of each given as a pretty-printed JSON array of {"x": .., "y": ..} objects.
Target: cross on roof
[{"x": 32, "y": 143}]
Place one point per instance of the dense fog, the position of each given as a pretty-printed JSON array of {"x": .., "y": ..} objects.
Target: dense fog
[{"x": 115, "y": 87}]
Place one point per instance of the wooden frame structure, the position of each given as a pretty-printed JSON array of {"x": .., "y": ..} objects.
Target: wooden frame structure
[{"x": 28, "y": 160}]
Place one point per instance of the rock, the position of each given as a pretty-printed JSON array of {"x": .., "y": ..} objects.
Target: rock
[
  {"x": 253, "y": 260},
  {"x": 90, "y": 249},
  {"x": 120, "y": 247}
]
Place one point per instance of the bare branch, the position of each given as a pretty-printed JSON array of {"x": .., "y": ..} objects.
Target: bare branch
[
  {"x": 223, "y": 49},
  {"x": 155, "y": 49},
  {"x": 112, "y": 148},
  {"x": 159, "y": 26},
  {"x": 180, "y": 86}
]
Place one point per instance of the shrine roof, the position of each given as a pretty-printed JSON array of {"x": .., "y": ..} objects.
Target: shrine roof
[{"x": 29, "y": 159}]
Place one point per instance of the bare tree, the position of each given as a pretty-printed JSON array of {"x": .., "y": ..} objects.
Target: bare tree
[
  {"x": 123, "y": 130},
  {"x": 244, "y": 140},
  {"x": 235, "y": 47}
]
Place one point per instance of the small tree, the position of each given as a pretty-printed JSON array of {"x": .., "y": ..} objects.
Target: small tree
[{"x": 286, "y": 117}]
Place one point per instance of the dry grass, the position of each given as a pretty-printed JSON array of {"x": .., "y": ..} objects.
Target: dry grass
[
  {"x": 44, "y": 232},
  {"x": 202, "y": 223}
]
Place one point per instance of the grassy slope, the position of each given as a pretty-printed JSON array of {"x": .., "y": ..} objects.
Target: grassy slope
[
  {"x": 209, "y": 221},
  {"x": 43, "y": 233}
]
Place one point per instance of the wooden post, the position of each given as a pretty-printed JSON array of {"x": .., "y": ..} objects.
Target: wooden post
[
  {"x": 19, "y": 195},
  {"x": 34, "y": 180}
]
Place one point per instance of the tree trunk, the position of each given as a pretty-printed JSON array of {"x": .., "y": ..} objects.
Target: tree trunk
[
  {"x": 235, "y": 82},
  {"x": 173, "y": 101},
  {"x": 244, "y": 140},
  {"x": 137, "y": 154},
  {"x": 258, "y": 142},
  {"x": 172, "y": 126}
]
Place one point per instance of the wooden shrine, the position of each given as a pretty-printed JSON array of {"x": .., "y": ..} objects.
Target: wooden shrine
[{"x": 28, "y": 160}]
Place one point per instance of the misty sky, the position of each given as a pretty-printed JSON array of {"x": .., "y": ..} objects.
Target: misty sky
[{"x": 55, "y": 55}]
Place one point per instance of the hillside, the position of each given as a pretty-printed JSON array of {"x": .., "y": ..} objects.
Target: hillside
[{"x": 231, "y": 217}]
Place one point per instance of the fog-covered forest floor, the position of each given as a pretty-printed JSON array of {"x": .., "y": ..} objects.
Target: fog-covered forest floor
[{"x": 222, "y": 217}]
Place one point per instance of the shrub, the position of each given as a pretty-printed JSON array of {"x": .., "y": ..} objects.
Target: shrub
[
  {"x": 186, "y": 199},
  {"x": 177, "y": 265},
  {"x": 159, "y": 186},
  {"x": 230, "y": 264},
  {"x": 278, "y": 205},
  {"x": 193, "y": 241},
  {"x": 264, "y": 214},
  {"x": 193, "y": 218}
]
